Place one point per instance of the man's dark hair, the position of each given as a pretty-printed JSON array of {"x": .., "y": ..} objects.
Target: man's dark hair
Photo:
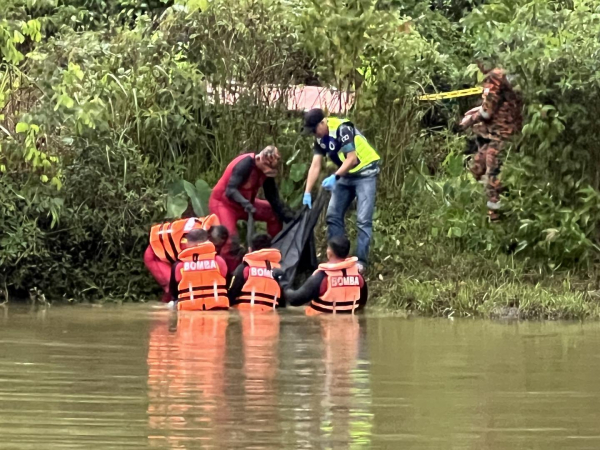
[
  {"x": 260, "y": 242},
  {"x": 340, "y": 246},
  {"x": 197, "y": 236},
  {"x": 218, "y": 234}
]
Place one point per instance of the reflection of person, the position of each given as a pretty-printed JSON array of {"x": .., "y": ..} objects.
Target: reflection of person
[
  {"x": 495, "y": 121},
  {"x": 336, "y": 286},
  {"x": 165, "y": 246},
  {"x": 198, "y": 279},
  {"x": 234, "y": 196},
  {"x": 253, "y": 286},
  {"x": 343, "y": 381},
  {"x": 356, "y": 176},
  {"x": 186, "y": 380}
]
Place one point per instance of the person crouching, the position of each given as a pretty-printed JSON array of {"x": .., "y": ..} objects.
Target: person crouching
[
  {"x": 198, "y": 279},
  {"x": 253, "y": 286},
  {"x": 336, "y": 287}
]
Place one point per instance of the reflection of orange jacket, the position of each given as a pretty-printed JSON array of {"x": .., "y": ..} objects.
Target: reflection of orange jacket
[
  {"x": 343, "y": 289},
  {"x": 261, "y": 339},
  {"x": 186, "y": 379},
  {"x": 260, "y": 291},
  {"x": 202, "y": 285},
  {"x": 165, "y": 238}
]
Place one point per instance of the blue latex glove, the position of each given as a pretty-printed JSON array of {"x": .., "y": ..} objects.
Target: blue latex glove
[
  {"x": 307, "y": 200},
  {"x": 329, "y": 183}
]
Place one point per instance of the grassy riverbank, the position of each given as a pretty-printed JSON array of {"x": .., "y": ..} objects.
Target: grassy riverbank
[
  {"x": 416, "y": 272},
  {"x": 107, "y": 107}
]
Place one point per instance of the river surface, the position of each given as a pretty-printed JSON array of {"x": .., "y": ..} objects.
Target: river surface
[{"x": 140, "y": 377}]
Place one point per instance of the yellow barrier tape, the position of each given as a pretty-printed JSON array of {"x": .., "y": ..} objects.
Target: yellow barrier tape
[{"x": 453, "y": 94}]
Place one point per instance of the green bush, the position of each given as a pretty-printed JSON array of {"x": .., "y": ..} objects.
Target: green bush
[{"x": 106, "y": 106}]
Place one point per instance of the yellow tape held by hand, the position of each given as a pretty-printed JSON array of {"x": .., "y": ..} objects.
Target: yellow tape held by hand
[{"x": 453, "y": 94}]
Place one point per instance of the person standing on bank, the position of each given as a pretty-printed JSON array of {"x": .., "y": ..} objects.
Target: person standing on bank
[{"x": 356, "y": 176}]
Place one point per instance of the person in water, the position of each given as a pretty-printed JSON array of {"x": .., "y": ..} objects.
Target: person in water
[
  {"x": 234, "y": 196},
  {"x": 198, "y": 278},
  {"x": 253, "y": 286},
  {"x": 336, "y": 287},
  {"x": 495, "y": 122},
  {"x": 356, "y": 176},
  {"x": 165, "y": 246}
]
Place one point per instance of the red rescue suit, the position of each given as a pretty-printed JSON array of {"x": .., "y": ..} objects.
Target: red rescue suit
[{"x": 229, "y": 211}]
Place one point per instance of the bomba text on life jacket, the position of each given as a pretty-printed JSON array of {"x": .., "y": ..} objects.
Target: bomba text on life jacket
[
  {"x": 344, "y": 281},
  {"x": 205, "y": 264},
  {"x": 260, "y": 272}
]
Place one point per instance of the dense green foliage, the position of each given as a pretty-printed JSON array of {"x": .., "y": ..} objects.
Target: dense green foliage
[{"x": 106, "y": 106}]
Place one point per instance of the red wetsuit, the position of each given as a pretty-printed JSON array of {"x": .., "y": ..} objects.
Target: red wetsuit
[{"x": 238, "y": 188}]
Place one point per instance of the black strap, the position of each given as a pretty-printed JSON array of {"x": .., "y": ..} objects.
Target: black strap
[
  {"x": 162, "y": 242},
  {"x": 202, "y": 288},
  {"x": 260, "y": 295},
  {"x": 329, "y": 311},
  {"x": 172, "y": 242},
  {"x": 328, "y": 303},
  {"x": 268, "y": 263},
  {"x": 256, "y": 302},
  {"x": 203, "y": 296}
]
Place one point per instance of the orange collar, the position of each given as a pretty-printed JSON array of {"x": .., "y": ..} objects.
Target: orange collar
[
  {"x": 266, "y": 254},
  {"x": 205, "y": 248},
  {"x": 346, "y": 264}
]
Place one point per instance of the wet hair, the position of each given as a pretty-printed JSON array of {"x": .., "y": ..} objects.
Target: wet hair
[
  {"x": 197, "y": 236},
  {"x": 340, "y": 246},
  {"x": 270, "y": 156},
  {"x": 218, "y": 233},
  {"x": 260, "y": 242}
]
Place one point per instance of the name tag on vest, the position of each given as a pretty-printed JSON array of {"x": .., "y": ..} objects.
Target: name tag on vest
[
  {"x": 207, "y": 264},
  {"x": 344, "y": 281},
  {"x": 260, "y": 272}
]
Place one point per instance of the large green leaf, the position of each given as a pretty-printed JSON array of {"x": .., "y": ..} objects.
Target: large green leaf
[
  {"x": 176, "y": 205},
  {"x": 203, "y": 191},
  {"x": 298, "y": 171}
]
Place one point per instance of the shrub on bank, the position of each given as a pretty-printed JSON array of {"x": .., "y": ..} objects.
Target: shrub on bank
[{"x": 103, "y": 107}]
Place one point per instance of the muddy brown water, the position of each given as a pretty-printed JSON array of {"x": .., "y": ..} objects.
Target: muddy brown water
[{"x": 139, "y": 377}]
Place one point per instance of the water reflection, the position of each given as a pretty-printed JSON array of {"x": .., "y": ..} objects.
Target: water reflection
[
  {"x": 345, "y": 418},
  {"x": 233, "y": 381},
  {"x": 186, "y": 380}
]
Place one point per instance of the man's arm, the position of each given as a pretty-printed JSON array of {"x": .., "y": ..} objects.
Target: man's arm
[
  {"x": 272, "y": 196},
  {"x": 240, "y": 174},
  {"x": 307, "y": 292},
  {"x": 346, "y": 135},
  {"x": 237, "y": 283},
  {"x": 313, "y": 172}
]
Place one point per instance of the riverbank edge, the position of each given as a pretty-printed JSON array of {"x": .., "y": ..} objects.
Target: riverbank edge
[{"x": 562, "y": 296}]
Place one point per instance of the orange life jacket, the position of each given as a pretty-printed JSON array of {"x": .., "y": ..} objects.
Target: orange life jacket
[
  {"x": 165, "y": 238},
  {"x": 261, "y": 291},
  {"x": 202, "y": 286},
  {"x": 343, "y": 289}
]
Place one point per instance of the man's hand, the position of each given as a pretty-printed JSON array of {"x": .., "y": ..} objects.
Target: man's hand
[
  {"x": 307, "y": 200},
  {"x": 249, "y": 208},
  {"x": 278, "y": 275},
  {"x": 470, "y": 118},
  {"x": 329, "y": 183}
]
